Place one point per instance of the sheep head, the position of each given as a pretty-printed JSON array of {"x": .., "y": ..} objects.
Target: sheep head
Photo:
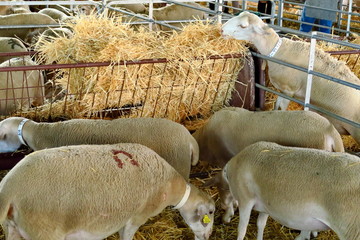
[
  {"x": 198, "y": 213},
  {"x": 246, "y": 26}
]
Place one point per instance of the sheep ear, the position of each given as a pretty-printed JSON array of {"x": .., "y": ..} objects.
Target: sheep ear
[
  {"x": 261, "y": 29},
  {"x": 244, "y": 23},
  {"x": 201, "y": 210}
]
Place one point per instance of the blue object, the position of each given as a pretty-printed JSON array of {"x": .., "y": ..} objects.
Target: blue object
[{"x": 307, "y": 28}]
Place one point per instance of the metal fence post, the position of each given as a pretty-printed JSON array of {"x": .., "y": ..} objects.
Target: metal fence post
[
  {"x": 310, "y": 68},
  {"x": 349, "y": 18}
]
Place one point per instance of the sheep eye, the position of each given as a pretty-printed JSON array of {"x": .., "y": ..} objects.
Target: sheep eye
[
  {"x": 211, "y": 212},
  {"x": 242, "y": 26}
]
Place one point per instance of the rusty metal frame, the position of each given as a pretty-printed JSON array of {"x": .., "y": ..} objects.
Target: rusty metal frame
[{"x": 242, "y": 96}]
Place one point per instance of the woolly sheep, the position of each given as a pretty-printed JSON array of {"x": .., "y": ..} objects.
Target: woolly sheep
[
  {"x": 20, "y": 90},
  {"x": 93, "y": 191},
  {"x": 91, "y": 9},
  {"x": 24, "y": 19},
  {"x": 56, "y": 14},
  {"x": 130, "y": 19},
  {"x": 169, "y": 139},
  {"x": 336, "y": 98},
  {"x": 8, "y": 45},
  {"x": 6, "y": 10},
  {"x": 48, "y": 35},
  {"x": 302, "y": 188},
  {"x": 218, "y": 142},
  {"x": 175, "y": 12}
]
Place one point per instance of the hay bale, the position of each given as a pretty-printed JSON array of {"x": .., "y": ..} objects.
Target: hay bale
[{"x": 184, "y": 86}]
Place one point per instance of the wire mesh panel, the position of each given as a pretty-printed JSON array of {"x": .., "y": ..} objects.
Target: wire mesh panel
[
  {"x": 147, "y": 88},
  {"x": 351, "y": 57}
]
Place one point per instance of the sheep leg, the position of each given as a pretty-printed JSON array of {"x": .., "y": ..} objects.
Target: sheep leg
[
  {"x": 261, "y": 223},
  {"x": 281, "y": 102},
  {"x": 244, "y": 212},
  {"x": 11, "y": 233},
  {"x": 304, "y": 235},
  {"x": 128, "y": 231}
]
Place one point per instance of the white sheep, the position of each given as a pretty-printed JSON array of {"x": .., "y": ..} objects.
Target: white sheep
[
  {"x": 219, "y": 142},
  {"x": 20, "y": 90},
  {"x": 56, "y": 15},
  {"x": 174, "y": 12},
  {"x": 169, "y": 139},
  {"x": 302, "y": 188},
  {"x": 93, "y": 191},
  {"x": 331, "y": 96},
  {"x": 48, "y": 35},
  {"x": 88, "y": 9},
  {"x": 13, "y": 9},
  {"x": 24, "y": 19},
  {"x": 8, "y": 45}
]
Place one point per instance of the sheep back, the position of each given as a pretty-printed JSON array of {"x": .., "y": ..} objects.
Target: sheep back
[
  {"x": 219, "y": 142},
  {"x": 326, "y": 94},
  {"x": 23, "y": 19},
  {"x": 169, "y": 139},
  {"x": 9, "y": 44},
  {"x": 71, "y": 187}
]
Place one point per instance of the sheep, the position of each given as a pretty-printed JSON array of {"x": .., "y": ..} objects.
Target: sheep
[
  {"x": 136, "y": 8},
  {"x": 169, "y": 139},
  {"x": 9, "y": 44},
  {"x": 48, "y": 35},
  {"x": 93, "y": 191},
  {"x": 218, "y": 142},
  {"x": 325, "y": 94},
  {"x": 24, "y": 19},
  {"x": 56, "y": 15},
  {"x": 20, "y": 90},
  {"x": 302, "y": 188},
  {"x": 175, "y": 12},
  {"x": 6, "y": 10},
  {"x": 91, "y": 9}
]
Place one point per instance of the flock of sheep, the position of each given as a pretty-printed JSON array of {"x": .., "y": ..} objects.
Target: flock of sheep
[{"x": 88, "y": 179}]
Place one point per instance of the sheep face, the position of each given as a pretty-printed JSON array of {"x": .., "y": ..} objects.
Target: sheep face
[
  {"x": 246, "y": 26},
  {"x": 9, "y": 141},
  {"x": 198, "y": 213}
]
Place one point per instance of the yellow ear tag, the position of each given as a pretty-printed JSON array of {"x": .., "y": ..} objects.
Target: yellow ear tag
[{"x": 206, "y": 219}]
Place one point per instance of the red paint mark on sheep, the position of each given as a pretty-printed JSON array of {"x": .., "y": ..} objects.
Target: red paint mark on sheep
[
  {"x": 116, "y": 152},
  {"x": 135, "y": 163},
  {"x": 118, "y": 160}
]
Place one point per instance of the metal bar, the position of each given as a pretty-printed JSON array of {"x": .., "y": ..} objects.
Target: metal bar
[
  {"x": 310, "y": 68},
  {"x": 348, "y": 84},
  {"x": 280, "y": 13},
  {"x": 309, "y": 106},
  {"x": 103, "y": 64},
  {"x": 29, "y": 26},
  {"x": 349, "y": 18},
  {"x": 344, "y": 52}
]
